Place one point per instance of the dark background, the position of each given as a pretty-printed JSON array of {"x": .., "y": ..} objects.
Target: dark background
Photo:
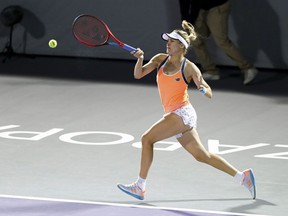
[{"x": 258, "y": 27}]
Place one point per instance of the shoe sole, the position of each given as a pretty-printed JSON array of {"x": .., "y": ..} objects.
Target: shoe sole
[
  {"x": 253, "y": 182},
  {"x": 131, "y": 194}
]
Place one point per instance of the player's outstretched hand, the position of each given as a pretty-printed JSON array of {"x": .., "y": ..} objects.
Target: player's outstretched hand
[{"x": 138, "y": 53}]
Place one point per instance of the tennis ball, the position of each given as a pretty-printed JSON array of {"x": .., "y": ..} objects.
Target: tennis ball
[{"x": 52, "y": 43}]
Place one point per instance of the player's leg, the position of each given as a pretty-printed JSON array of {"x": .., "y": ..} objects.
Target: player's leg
[
  {"x": 166, "y": 127},
  {"x": 192, "y": 143}
]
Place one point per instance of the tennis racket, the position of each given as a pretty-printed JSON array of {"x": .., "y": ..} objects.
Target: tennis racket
[{"x": 91, "y": 31}]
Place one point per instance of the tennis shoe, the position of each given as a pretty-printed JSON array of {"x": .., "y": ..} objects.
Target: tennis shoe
[
  {"x": 132, "y": 190},
  {"x": 249, "y": 75},
  {"x": 249, "y": 182},
  {"x": 213, "y": 75}
]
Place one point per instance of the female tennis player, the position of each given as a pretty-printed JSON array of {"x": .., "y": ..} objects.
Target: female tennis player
[{"x": 174, "y": 74}]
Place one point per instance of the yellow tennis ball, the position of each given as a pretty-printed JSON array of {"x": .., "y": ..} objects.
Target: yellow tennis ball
[{"x": 52, "y": 43}]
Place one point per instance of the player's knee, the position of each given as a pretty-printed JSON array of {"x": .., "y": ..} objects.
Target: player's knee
[
  {"x": 146, "y": 140},
  {"x": 203, "y": 157}
]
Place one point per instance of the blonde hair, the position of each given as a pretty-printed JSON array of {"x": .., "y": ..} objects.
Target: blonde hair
[{"x": 188, "y": 32}]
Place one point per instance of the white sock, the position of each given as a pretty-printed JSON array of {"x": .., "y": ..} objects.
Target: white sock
[
  {"x": 141, "y": 183},
  {"x": 239, "y": 177}
]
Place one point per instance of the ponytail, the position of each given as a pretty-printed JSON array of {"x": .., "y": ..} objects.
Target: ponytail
[
  {"x": 189, "y": 29},
  {"x": 187, "y": 32}
]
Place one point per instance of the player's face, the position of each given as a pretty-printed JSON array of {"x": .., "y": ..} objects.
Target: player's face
[{"x": 174, "y": 46}]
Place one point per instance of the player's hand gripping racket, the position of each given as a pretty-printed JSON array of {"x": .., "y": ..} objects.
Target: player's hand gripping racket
[{"x": 92, "y": 31}]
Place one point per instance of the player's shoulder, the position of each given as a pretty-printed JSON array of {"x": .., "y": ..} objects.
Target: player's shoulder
[
  {"x": 159, "y": 58},
  {"x": 189, "y": 63},
  {"x": 191, "y": 67}
]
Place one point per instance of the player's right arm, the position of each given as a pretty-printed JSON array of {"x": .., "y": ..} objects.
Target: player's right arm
[{"x": 141, "y": 70}]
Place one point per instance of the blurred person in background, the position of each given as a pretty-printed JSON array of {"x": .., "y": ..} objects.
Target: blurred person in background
[{"x": 211, "y": 18}]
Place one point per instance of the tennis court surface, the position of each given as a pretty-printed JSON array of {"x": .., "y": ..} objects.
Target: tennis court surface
[{"x": 70, "y": 131}]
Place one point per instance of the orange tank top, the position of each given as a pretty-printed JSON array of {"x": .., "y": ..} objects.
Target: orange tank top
[{"x": 172, "y": 88}]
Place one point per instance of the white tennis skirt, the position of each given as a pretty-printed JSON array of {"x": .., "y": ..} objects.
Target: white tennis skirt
[{"x": 188, "y": 116}]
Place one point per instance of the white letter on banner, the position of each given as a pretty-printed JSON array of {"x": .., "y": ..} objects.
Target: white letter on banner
[
  {"x": 69, "y": 138},
  {"x": 171, "y": 146},
  {"x": 280, "y": 155},
  {"x": 37, "y": 135},
  {"x": 8, "y": 127},
  {"x": 213, "y": 147}
]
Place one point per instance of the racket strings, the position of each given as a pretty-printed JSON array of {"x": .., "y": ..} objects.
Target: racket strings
[{"x": 90, "y": 31}]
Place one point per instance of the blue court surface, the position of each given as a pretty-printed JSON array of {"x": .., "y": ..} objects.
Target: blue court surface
[
  {"x": 19, "y": 206},
  {"x": 70, "y": 132}
]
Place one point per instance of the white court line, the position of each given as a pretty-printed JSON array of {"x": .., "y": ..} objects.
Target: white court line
[{"x": 124, "y": 205}]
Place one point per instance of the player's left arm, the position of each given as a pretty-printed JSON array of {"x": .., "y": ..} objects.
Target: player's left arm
[{"x": 193, "y": 72}]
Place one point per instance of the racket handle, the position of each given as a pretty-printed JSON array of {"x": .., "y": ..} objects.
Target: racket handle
[
  {"x": 129, "y": 48},
  {"x": 124, "y": 46}
]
